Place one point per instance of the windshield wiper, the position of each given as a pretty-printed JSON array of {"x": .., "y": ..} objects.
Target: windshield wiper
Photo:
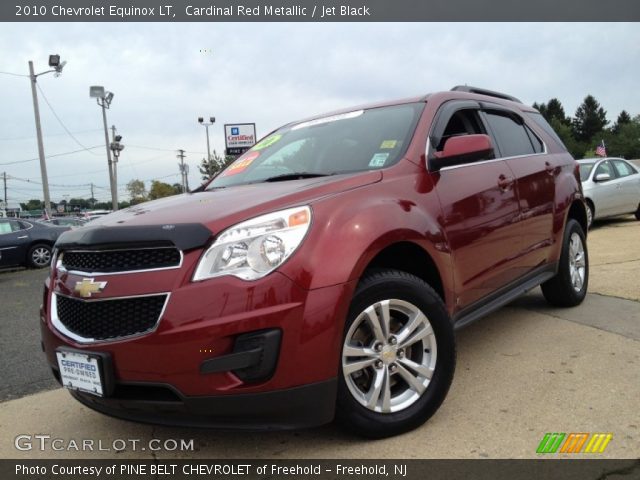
[{"x": 295, "y": 176}]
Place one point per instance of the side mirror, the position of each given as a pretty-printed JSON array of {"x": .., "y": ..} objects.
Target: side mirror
[
  {"x": 602, "y": 177},
  {"x": 464, "y": 149}
]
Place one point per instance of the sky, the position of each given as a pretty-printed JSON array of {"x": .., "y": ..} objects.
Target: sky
[{"x": 164, "y": 76}]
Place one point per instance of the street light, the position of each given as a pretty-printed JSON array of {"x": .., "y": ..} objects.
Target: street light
[
  {"x": 104, "y": 99},
  {"x": 57, "y": 66},
  {"x": 201, "y": 121}
]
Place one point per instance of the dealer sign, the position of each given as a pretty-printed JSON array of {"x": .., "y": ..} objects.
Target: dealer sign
[{"x": 239, "y": 137}]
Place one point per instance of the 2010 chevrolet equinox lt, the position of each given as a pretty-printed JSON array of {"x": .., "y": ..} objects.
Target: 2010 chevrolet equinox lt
[{"x": 323, "y": 273}]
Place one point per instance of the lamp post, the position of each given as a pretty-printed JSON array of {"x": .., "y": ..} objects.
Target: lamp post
[
  {"x": 57, "y": 66},
  {"x": 103, "y": 99},
  {"x": 201, "y": 121}
]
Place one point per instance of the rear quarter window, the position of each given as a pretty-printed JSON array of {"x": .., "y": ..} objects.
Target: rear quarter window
[{"x": 542, "y": 123}]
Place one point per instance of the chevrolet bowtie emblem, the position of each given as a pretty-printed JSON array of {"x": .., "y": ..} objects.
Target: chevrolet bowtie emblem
[{"x": 88, "y": 287}]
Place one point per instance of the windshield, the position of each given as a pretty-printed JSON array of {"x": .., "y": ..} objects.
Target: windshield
[
  {"x": 585, "y": 170},
  {"x": 351, "y": 142}
]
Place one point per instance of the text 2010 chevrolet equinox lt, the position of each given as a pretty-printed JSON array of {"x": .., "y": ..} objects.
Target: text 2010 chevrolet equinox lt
[{"x": 323, "y": 273}]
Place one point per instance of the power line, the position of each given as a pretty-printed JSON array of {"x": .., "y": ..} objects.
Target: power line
[
  {"x": 14, "y": 74},
  {"x": 61, "y": 122},
  {"x": 50, "y": 156},
  {"x": 163, "y": 149}
]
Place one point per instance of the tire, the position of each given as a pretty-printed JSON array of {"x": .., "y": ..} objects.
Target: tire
[
  {"x": 569, "y": 287},
  {"x": 39, "y": 256},
  {"x": 637, "y": 214},
  {"x": 590, "y": 213},
  {"x": 389, "y": 356}
]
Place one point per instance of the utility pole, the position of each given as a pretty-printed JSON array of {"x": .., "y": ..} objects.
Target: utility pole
[
  {"x": 184, "y": 171},
  {"x": 43, "y": 165},
  {"x": 103, "y": 99},
  {"x": 4, "y": 178}
]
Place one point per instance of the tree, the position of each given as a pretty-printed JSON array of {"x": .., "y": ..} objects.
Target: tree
[
  {"x": 623, "y": 119},
  {"x": 33, "y": 204},
  {"x": 211, "y": 167},
  {"x": 160, "y": 189},
  {"x": 590, "y": 120},
  {"x": 555, "y": 110},
  {"x": 625, "y": 142},
  {"x": 137, "y": 191}
]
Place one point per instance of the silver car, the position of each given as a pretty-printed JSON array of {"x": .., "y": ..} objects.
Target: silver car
[{"x": 611, "y": 187}]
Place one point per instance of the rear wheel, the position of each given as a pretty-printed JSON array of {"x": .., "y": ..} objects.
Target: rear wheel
[
  {"x": 637, "y": 214},
  {"x": 569, "y": 287},
  {"x": 398, "y": 356},
  {"x": 39, "y": 256}
]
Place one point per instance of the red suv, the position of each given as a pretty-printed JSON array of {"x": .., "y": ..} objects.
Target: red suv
[{"x": 324, "y": 272}]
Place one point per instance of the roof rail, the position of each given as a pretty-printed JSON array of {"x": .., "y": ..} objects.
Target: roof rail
[{"x": 483, "y": 91}]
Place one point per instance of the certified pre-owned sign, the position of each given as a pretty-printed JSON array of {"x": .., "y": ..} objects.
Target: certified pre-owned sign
[{"x": 239, "y": 137}]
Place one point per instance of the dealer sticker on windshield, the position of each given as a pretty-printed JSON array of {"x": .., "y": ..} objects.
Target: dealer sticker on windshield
[
  {"x": 378, "y": 160},
  {"x": 80, "y": 371}
]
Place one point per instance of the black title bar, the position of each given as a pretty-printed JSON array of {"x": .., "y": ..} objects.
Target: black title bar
[{"x": 320, "y": 11}]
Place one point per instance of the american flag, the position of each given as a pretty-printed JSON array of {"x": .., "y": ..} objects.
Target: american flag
[{"x": 601, "y": 150}]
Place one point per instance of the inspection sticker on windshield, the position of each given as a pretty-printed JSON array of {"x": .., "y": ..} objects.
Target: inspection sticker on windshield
[
  {"x": 378, "y": 160},
  {"x": 267, "y": 142},
  {"x": 241, "y": 164},
  {"x": 389, "y": 144}
]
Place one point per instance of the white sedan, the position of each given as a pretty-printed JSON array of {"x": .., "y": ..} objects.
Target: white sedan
[{"x": 611, "y": 187}]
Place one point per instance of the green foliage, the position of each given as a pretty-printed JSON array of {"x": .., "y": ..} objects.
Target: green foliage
[
  {"x": 210, "y": 168},
  {"x": 137, "y": 191},
  {"x": 589, "y": 121},
  {"x": 160, "y": 190}
]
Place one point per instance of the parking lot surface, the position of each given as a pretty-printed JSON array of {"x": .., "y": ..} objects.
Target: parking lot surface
[{"x": 523, "y": 371}]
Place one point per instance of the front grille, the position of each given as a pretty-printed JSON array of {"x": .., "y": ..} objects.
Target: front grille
[
  {"x": 109, "y": 319},
  {"x": 106, "y": 261}
]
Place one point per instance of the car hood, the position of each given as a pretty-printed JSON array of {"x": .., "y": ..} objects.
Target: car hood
[{"x": 217, "y": 209}]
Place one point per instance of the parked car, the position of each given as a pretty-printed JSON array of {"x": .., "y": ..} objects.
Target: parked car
[
  {"x": 611, "y": 187},
  {"x": 27, "y": 242},
  {"x": 72, "y": 222},
  {"x": 323, "y": 272}
]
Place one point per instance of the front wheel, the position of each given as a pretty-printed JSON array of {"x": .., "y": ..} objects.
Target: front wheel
[
  {"x": 569, "y": 287},
  {"x": 398, "y": 356}
]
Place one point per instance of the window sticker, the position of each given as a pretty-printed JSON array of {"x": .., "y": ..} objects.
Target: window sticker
[
  {"x": 389, "y": 144},
  {"x": 378, "y": 160},
  {"x": 332, "y": 118},
  {"x": 267, "y": 142},
  {"x": 241, "y": 164}
]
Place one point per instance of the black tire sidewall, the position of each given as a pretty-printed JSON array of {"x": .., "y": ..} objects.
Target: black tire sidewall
[
  {"x": 573, "y": 227},
  {"x": 385, "y": 285}
]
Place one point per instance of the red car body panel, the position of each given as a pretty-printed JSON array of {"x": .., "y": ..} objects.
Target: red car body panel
[{"x": 482, "y": 225}]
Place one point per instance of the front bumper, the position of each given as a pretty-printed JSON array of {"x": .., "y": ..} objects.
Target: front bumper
[{"x": 162, "y": 377}]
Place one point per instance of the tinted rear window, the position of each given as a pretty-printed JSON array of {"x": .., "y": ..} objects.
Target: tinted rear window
[
  {"x": 512, "y": 137},
  {"x": 542, "y": 123}
]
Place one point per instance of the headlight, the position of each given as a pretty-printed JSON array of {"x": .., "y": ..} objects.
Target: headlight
[{"x": 252, "y": 249}]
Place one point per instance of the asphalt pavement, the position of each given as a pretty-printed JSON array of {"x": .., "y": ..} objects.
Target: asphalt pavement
[{"x": 523, "y": 371}]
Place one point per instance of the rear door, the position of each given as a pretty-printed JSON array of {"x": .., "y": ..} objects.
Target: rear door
[
  {"x": 535, "y": 174},
  {"x": 480, "y": 209},
  {"x": 628, "y": 186}
]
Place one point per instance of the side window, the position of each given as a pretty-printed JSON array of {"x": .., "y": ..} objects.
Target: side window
[
  {"x": 5, "y": 227},
  {"x": 538, "y": 146},
  {"x": 604, "y": 167},
  {"x": 462, "y": 122},
  {"x": 512, "y": 137},
  {"x": 623, "y": 168}
]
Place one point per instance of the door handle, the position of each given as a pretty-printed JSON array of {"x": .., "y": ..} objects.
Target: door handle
[
  {"x": 505, "y": 182},
  {"x": 24, "y": 236}
]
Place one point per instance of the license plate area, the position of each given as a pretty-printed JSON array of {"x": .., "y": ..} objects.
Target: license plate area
[{"x": 87, "y": 372}]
